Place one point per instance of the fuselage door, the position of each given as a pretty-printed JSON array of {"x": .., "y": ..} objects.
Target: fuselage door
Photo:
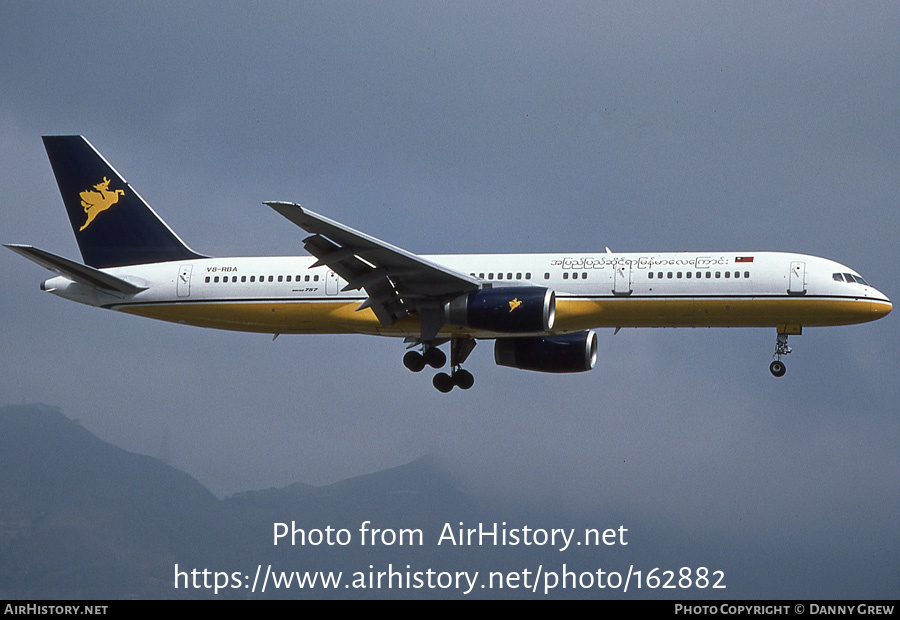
[
  {"x": 331, "y": 283},
  {"x": 184, "y": 281},
  {"x": 797, "y": 284},
  {"x": 622, "y": 279}
]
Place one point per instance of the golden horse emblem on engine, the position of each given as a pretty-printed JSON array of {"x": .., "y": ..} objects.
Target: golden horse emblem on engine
[
  {"x": 95, "y": 202},
  {"x": 515, "y": 303}
]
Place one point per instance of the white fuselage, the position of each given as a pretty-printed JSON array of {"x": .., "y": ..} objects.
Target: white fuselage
[{"x": 282, "y": 295}]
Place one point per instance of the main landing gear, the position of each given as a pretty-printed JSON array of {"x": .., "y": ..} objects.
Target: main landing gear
[
  {"x": 432, "y": 356},
  {"x": 777, "y": 367}
]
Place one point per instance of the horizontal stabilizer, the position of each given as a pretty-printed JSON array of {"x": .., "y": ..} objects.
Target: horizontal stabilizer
[{"x": 76, "y": 271}]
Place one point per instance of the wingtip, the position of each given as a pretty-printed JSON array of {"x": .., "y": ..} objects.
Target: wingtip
[{"x": 284, "y": 207}]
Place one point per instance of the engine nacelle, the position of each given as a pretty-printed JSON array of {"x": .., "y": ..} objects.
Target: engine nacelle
[
  {"x": 506, "y": 310},
  {"x": 567, "y": 353}
]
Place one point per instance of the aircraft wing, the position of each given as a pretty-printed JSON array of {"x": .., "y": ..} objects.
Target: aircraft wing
[
  {"x": 75, "y": 271},
  {"x": 396, "y": 281}
]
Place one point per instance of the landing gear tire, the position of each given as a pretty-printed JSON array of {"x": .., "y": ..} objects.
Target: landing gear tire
[
  {"x": 463, "y": 379},
  {"x": 777, "y": 368},
  {"x": 414, "y": 361},
  {"x": 443, "y": 382},
  {"x": 434, "y": 357}
]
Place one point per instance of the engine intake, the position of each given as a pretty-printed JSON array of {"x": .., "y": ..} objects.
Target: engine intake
[
  {"x": 568, "y": 353},
  {"x": 506, "y": 310}
]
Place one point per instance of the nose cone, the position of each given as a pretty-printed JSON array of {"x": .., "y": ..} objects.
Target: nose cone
[
  {"x": 879, "y": 305},
  {"x": 880, "y": 308}
]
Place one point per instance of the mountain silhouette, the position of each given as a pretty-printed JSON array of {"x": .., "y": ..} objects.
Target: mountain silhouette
[{"x": 82, "y": 518}]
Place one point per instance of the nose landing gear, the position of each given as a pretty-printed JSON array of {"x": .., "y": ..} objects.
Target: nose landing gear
[{"x": 777, "y": 367}]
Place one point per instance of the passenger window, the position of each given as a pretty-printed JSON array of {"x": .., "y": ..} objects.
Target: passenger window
[
  {"x": 289, "y": 278},
  {"x": 708, "y": 275},
  {"x": 216, "y": 279},
  {"x": 207, "y": 279},
  {"x": 547, "y": 275},
  {"x": 509, "y": 276},
  {"x": 746, "y": 274},
  {"x": 481, "y": 275},
  {"x": 688, "y": 275},
  {"x": 737, "y": 274},
  {"x": 518, "y": 276},
  {"x": 306, "y": 278},
  {"x": 669, "y": 275},
  {"x": 659, "y": 275},
  {"x": 528, "y": 276},
  {"x": 678, "y": 275},
  {"x": 315, "y": 278},
  {"x": 718, "y": 274},
  {"x": 650, "y": 275},
  {"x": 499, "y": 276},
  {"x": 280, "y": 278},
  {"x": 584, "y": 276},
  {"x": 575, "y": 275},
  {"x": 699, "y": 274},
  {"x": 727, "y": 274},
  {"x": 490, "y": 276},
  {"x": 234, "y": 278},
  {"x": 565, "y": 275},
  {"x": 243, "y": 278}
]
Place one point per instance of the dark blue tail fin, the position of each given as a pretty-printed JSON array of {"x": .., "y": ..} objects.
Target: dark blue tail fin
[{"x": 113, "y": 225}]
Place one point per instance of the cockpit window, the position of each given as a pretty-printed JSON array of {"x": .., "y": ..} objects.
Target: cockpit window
[{"x": 848, "y": 277}]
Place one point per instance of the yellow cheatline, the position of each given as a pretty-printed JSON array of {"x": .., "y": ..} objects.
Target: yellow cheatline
[{"x": 342, "y": 317}]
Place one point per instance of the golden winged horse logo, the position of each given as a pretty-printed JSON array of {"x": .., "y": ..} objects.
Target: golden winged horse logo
[
  {"x": 95, "y": 202},
  {"x": 515, "y": 303}
]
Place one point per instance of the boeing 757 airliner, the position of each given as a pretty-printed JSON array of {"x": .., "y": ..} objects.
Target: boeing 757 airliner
[{"x": 539, "y": 309}]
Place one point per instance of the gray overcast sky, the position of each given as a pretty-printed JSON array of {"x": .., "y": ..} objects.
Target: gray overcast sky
[{"x": 479, "y": 127}]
